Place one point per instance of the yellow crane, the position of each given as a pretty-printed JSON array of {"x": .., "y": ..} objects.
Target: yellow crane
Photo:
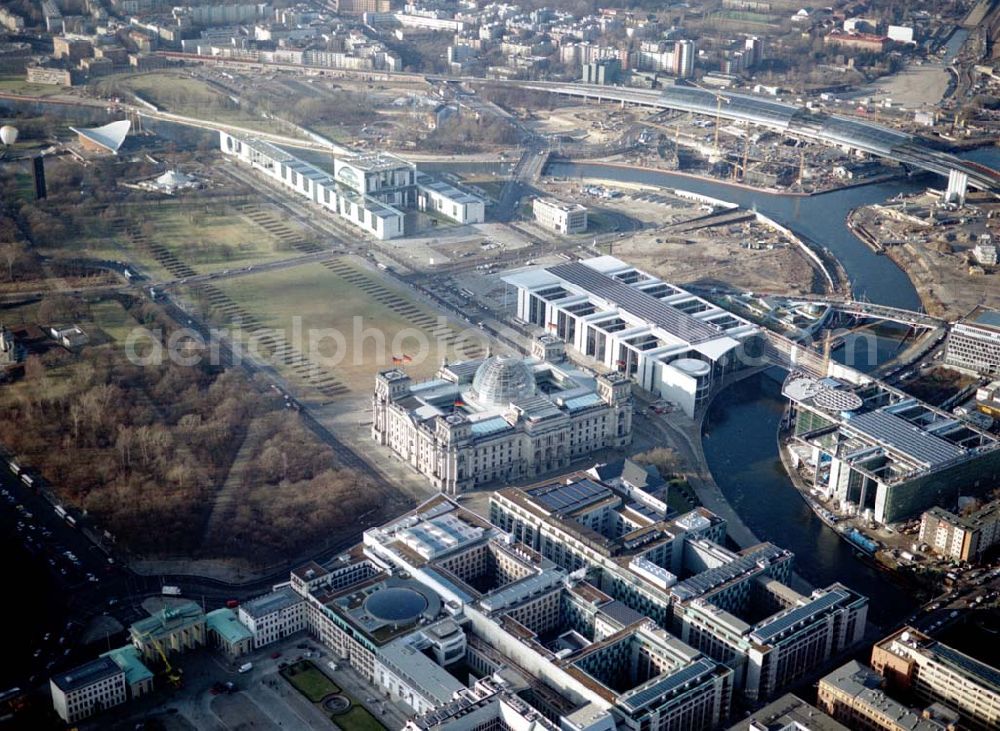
[{"x": 173, "y": 674}]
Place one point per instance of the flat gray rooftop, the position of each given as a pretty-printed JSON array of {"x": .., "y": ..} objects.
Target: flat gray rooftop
[
  {"x": 638, "y": 303},
  {"x": 270, "y": 603},
  {"x": 903, "y": 436},
  {"x": 86, "y": 674}
]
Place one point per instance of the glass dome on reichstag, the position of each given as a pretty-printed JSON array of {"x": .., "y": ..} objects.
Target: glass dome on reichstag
[{"x": 500, "y": 380}]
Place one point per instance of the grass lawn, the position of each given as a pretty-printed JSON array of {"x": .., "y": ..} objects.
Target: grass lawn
[
  {"x": 24, "y": 186},
  {"x": 358, "y": 719},
  {"x": 351, "y": 321},
  {"x": 206, "y": 238},
  {"x": 112, "y": 319},
  {"x": 310, "y": 681},
  {"x": 16, "y": 84},
  {"x": 181, "y": 94},
  {"x": 210, "y": 239}
]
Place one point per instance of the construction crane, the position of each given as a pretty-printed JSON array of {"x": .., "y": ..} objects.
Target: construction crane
[
  {"x": 173, "y": 674},
  {"x": 719, "y": 98}
]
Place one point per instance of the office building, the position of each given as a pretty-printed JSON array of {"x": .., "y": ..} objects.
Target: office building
[
  {"x": 854, "y": 695},
  {"x": 488, "y": 705},
  {"x": 370, "y": 191},
  {"x": 447, "y": 200},
  {"x": 804, "y": 633},
  {"x": 788, "y": 713},
  {"x": 88, "y": 689},
  {"x": 753, "y": 47},
  {"x": 973, "y": 344},
  {"x": 915, "y": 664},
  {"x": 501, "y": 418},
  {"x": 641, "y": 483},
  {"x": 273, "y": 616},
  {"x": 671, "y": 342},
  {"x": 961, "y": 537},
  {"x": 440, "y": 592},
  {"x": 563, "y": 218},
  {"x": 173, "y": 629},
  {"x": 732, "y": 606},
  {"x": 880, "y": 453}
]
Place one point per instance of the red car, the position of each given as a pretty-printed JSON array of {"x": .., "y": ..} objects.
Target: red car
[{"x": 275, "y": 655}]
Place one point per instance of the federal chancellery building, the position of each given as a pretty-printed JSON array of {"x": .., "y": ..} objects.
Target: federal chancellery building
[{"x": 371, "y": 191}]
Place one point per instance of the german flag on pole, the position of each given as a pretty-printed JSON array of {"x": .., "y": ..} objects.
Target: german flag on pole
[
  {"x": 396, "y": 361},
  {"x": 407, "y": 358}
]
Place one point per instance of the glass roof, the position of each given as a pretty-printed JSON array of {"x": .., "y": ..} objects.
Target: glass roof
[{"x": 500, "y": 381}]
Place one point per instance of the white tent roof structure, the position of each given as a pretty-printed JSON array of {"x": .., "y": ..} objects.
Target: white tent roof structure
[
  {"x": 174, "y": 179},
  {"x": 110, "y": 136}
]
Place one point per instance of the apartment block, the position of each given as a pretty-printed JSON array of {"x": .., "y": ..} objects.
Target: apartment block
[
  {"x": 961, "y": 537},
  {"x": 931, "y": 671}
]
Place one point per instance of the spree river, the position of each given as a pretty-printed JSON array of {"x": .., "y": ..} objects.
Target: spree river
[
  {"x": 741, "y": 428},
  {"x": 740, "y": 433}
]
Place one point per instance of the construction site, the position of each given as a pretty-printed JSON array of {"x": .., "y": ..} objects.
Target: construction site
[{"x": 947, "y": 250}]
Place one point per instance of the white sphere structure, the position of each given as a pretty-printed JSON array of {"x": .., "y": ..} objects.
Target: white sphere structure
[{"x": 8, "y": 134}]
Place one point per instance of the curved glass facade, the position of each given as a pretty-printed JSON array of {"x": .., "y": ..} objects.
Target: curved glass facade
[{"x": 500, "y": 380}]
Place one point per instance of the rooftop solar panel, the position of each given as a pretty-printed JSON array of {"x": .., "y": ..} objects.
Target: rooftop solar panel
[
  {"x": 706, "y": 581},
  {"x": 986, "y": 674},
  {"x": 771, "y": 628},
  {"x": 903, "y": 436},
  {"x": 622, "y": 613},
  {"x": 638, "y": 303},
  {"x": 560, "y": 498},
  {"x": 669, "y": 684}
]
